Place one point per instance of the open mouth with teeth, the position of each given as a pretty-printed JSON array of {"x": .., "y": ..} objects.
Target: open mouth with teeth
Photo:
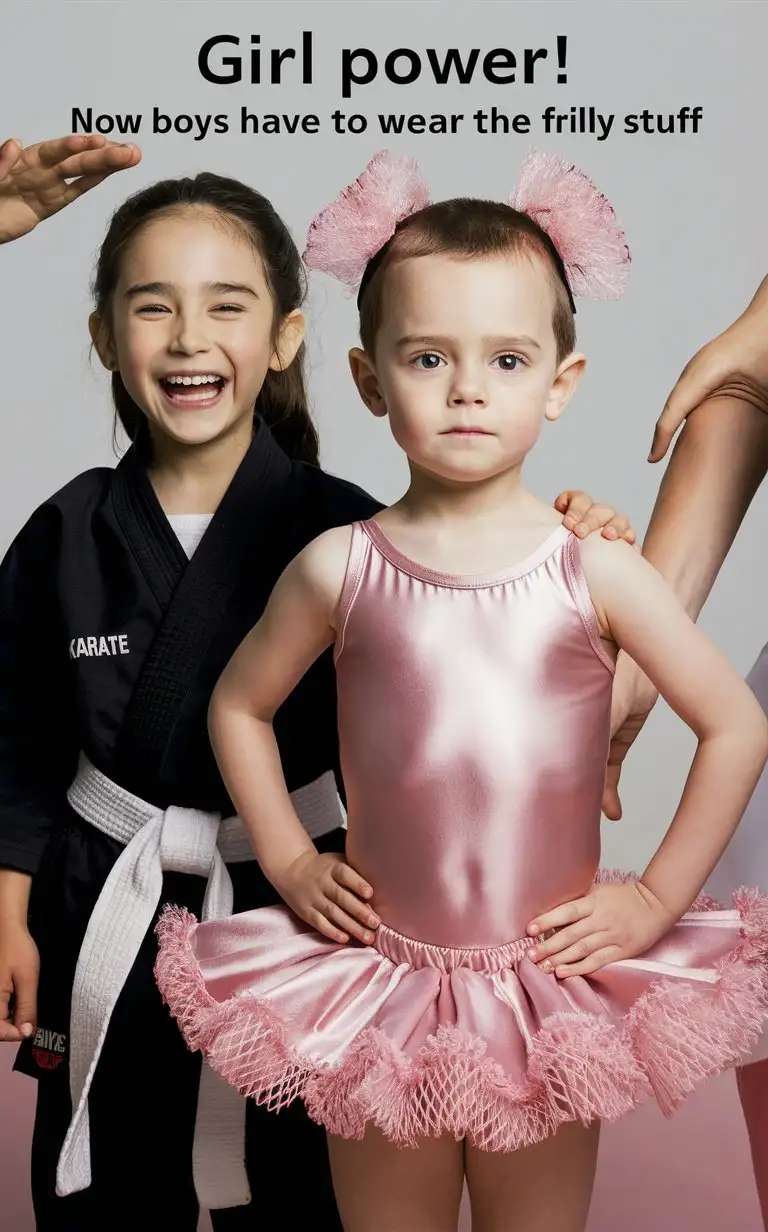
[{"x": 200, "y": 389}]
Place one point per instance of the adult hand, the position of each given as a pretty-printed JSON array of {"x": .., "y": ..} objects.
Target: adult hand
[
  {"x": 42, "y": 179},
  {"x": 735, "y": 364},
  {"x": 633, "y": 699}
]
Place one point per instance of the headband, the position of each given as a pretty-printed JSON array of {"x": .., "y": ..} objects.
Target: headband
[{"x": 581, "y": 223}]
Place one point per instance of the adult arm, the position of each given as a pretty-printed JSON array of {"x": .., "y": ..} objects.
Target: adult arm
[{"x": 717, "y": 466}]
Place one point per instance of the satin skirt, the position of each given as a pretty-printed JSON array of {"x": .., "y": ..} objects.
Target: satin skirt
[{"x": 420, "y": 1040}]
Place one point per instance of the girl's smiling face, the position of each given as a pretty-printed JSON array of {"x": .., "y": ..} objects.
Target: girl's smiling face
[
  {"x": 192, "y": 326},
  {"x": 465, "y": 362}
]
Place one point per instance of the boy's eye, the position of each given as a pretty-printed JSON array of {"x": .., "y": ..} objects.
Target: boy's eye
[
  {"x": 427, "y": 362},
  {"x": 509, "y": 363},
  {"x": 229, "y": 308},
  {"x": 152, "y": 308}
]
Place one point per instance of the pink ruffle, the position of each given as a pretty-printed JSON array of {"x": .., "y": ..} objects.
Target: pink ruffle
[
  {"x": 580, "y": 222},
  {"x": 579, "y": 1065}
]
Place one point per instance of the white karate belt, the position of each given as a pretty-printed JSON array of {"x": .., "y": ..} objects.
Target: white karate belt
[{"x": 178, "y": 840}]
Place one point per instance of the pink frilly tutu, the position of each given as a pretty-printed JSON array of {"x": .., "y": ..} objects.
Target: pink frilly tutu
[{"x": 420, "y": 1040}]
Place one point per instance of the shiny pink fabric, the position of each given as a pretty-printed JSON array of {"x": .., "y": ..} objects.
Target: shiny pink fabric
[{"x": 474, "y": 718}]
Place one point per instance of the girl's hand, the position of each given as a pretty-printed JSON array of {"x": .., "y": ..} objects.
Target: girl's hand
[
  {"x": 610, "y": 923},
  {"x": 326, "y": 892},
  {"x": 19, "y": 969},
  {"x": 583, "y": 516},
  {"x": 40, "y": 180}
]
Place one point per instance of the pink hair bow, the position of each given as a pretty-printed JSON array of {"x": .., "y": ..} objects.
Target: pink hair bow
[{"x": 564, "y": 202}]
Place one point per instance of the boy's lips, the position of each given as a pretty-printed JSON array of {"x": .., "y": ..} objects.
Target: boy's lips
[{"x": 470, "y": 431}]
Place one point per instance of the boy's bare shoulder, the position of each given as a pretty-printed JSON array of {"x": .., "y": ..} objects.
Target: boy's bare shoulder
[
  {"x": 614, "y": 572},
  {"x": 622, "y": 583},
  {"x": 321, "y": 566},
  {"x": 608, "y": 558},
  {"x": 329, "y": 551}
]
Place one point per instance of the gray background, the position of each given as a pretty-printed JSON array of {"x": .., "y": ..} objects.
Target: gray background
[{"x": 694, "y": 210}]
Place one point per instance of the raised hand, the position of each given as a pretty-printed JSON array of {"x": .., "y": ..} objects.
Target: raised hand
[{"x": 42, "y": 179}]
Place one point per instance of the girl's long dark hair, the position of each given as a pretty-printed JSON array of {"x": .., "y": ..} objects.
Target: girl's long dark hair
[{"x": 282, "y": 401}]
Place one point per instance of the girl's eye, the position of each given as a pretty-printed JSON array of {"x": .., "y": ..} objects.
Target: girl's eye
[
  {"x": 427, "y": 362},
  {"x": 155, "y": 309},
  {"x": 509, "y": 363}
]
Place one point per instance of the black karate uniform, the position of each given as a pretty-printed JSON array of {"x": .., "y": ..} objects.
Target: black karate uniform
[{"x": 111, "y": 642}]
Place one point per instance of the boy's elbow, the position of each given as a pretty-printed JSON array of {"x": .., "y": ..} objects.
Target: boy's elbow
[
  {"x": 754, "y": 721},
  {"x": 744, "y": 724},
  {"x": 751, "y": 733},
  {"x": 222, "y": 703},
  {"x": 229, "y": 705},
  {"x": 214, "y": 711}
]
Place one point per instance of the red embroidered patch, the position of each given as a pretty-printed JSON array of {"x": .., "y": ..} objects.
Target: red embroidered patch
[{"x": 46, "y": 1059}]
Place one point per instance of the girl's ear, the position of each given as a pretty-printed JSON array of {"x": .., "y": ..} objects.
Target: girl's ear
[
  {"x": 102, "y": 341},
  {"x": 367, "y": 382},
  {"x": 292, "y": 330},
  {"x": 565, "y": 384}
]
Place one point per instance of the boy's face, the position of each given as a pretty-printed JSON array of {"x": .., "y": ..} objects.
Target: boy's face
[{"x": 465, "y": 364}]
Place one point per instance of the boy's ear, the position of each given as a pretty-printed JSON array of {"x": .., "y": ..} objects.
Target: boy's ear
[
  {"x": 565, "y": 384},
  {"x": 364, "y": 375}
]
